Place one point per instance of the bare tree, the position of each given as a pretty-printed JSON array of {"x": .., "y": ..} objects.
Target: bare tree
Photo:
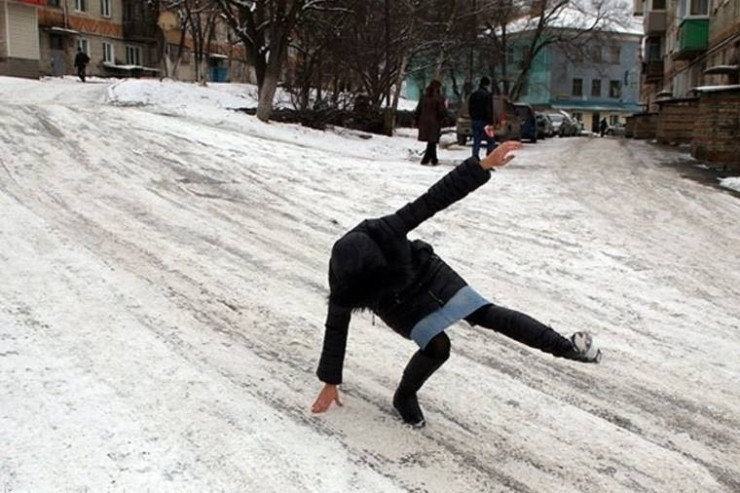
[
  {"x": 532, "y": 25},
  {"x": 265, "y": 27},
  {"x": 200, "y": 18},
  {"x": 196, "y": 24}
]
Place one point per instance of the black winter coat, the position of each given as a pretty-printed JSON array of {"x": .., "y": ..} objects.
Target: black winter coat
[
  {"x": 81, "y": 59},
  {"x": 480, "y": 105},
  {"x": 374, "y": 266}
]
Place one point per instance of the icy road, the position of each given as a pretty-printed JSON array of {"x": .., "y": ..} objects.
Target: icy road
[{"x": 163, "y": 290}]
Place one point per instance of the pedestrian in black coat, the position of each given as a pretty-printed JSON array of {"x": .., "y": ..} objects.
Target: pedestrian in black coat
[
  {"x": 429, "y": 115},
  {"x": 374, "y": 266},
  {"x": 480, "y": 108},
  {"x": 81, "y": 61}
]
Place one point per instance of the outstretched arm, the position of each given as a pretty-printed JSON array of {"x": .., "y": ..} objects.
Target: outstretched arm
[
  {"x": 454, "y": 186},
  {"x": 332, "y": 357}
]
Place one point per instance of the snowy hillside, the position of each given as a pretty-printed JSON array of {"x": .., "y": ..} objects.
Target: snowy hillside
[{"x": 163, "y": 297}]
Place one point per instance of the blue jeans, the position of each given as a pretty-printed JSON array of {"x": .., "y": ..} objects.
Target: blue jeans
[{"x": 479, "y": 134}]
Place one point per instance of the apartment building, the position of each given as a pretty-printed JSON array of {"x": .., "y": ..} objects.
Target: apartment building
[
  {"x": 600, "y": 81},
  {"x": 121, "y": 37},
  {"x": 688, "y": 43}
]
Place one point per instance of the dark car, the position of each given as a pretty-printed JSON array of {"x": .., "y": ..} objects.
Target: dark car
[
  {"x": 544, "y": 125},
  {"x": 528, "y": 121}
]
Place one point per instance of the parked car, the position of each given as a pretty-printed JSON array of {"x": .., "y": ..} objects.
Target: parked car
[
  {"x": 565, "y": 125},
  {"x": 557, "y": 121},
  {"x": 616, "y": 130},
  {"x": 528, "y": 121},
  {"x": 544, "y": 125},
  {"x": 507, "y": 126}
]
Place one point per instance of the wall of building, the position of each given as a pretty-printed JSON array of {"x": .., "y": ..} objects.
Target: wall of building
[
  {"x": 716, "y": 135},
  {"x": 626, "y": 71},
  {"x": 724, "y": 21},
  {"x": 3, "y": 34},
  {"x": 682, "y": 76},
  {"x": 676, "y": 121},
  {"x": 642, "y": 126}
]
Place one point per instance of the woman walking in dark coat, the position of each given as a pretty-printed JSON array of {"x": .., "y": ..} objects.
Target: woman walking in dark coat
[
  {"x": 430, "y": 114},
  {"x": 374, "y": 266}
]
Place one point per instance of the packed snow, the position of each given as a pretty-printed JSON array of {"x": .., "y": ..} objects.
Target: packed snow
[
  {"x": 164, "y": 265},
  {"x": 732, "y": 183}
]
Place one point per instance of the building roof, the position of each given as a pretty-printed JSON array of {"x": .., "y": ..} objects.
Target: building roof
[{"x": 580, "y": 15}]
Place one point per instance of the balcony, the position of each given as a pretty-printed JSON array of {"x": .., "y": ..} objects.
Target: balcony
[
  {"x": 693, "y": 38},
  {"x": 655, "y": 22},
  {"x": 652, "y": 70},
  {"x": 140, "y": 30},
  {"x": 51, "y": 17}
]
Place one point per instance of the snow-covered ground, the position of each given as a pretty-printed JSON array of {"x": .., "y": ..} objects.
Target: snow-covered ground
[
  {"x": 732, "y": 183},
  {"x": 163, "y": 293}
]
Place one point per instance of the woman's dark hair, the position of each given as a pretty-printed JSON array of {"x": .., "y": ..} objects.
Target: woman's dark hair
[{"x": 434, "y": 87}]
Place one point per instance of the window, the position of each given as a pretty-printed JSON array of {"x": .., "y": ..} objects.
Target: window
[
  {"x": 577, "y": 87},
  {"x": 615, "y": 53},
  {"x": 510, "y": 54},
  {"x": 53, "y": 3},
  {"x": 133, "y": 55},
  {"x": 658, "y": 4},
  {"x": 128, "y": 12},
  {"x": 105, "y": 8},
  {"x": 108, "y": 55},
  {"x": 653, "y": 51},
  {"x": 596, "y": 54},
  {"x": 615, "y": 89},
  {"x": 699, "y": 7},
  {"x": 577, "y": 115},
  {"x": 84, "y": 45},
  {"x": 613, "y": 120},
  {"x": 596, "y": 88},
  {"x": 81, "y": 5}
]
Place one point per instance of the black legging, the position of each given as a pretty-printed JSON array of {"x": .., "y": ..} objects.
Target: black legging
[
  {"x": 513, "y": 324},
  {"x": 521, "y": 328}
]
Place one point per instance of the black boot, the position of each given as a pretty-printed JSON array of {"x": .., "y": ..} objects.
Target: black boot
[
  {"x": 428, "y": 156},
  {"x": 417, "y": 371}
]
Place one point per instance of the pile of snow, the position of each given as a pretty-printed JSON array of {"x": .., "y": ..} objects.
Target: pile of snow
[
  {"x": 733, "y": 183},
  {"x": 168, "y": 93}
]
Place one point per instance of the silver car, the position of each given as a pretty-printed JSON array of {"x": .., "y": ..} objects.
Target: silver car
[{"x": 564, "y": 124}]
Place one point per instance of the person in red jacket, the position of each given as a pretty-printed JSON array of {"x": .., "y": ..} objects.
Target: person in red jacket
[{"x": 374, "y": 266}]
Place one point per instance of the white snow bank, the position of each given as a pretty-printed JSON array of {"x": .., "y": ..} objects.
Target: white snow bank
[{"x": 732, "y": 183}]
